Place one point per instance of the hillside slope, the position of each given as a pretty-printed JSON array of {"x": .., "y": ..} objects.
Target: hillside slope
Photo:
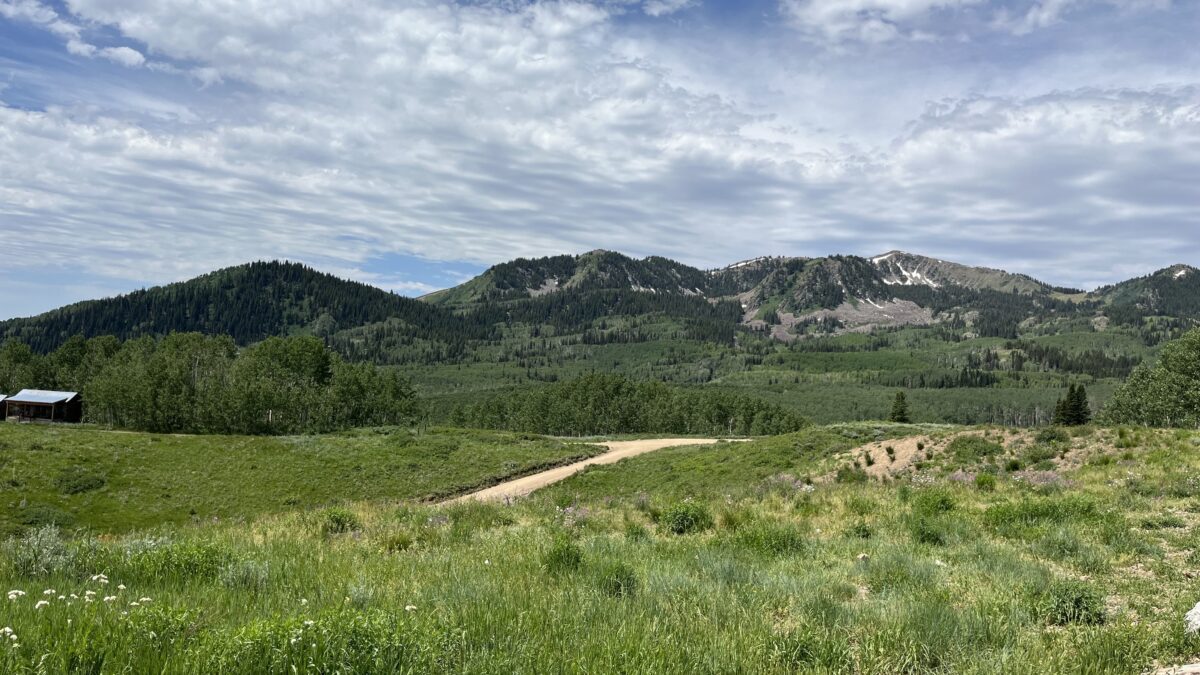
[{"x": 248, "y": 302}]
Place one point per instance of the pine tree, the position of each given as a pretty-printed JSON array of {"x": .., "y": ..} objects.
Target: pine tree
[
  {"x": 899, "y": 409},
  {"x": 1080, "y": 410},
  {"x": 1060, "y": 413}
]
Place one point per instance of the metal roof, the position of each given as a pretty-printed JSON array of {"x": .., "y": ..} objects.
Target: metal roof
[
  {"x": 41, "y": 396},
  {"x": 2, "y": 397}
]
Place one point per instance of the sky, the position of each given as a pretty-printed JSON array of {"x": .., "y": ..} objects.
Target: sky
[{"x": 411, "y": 145}]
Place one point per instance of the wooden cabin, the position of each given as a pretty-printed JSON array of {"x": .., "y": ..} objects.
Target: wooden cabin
[{"x": 37, "y": 405}]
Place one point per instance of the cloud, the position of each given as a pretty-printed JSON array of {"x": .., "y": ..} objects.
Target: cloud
[
  {"x": 877, "y": 21},
  {"x": 126, "y": 56},
  {"x": 339, "y": 134},
  {"x": 665, "y": 7}
]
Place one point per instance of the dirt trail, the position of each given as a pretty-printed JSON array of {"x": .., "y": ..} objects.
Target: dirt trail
[{"x": 618, "y": 450}]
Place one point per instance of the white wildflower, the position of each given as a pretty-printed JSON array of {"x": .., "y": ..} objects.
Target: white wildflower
[
  {"x": 410, "y": 608},
  {"x": 939, "y": 563},
  {"x": 308, "y": 622},
  {"x": 100, "y": 578},
  {"x": 13, "y": 638},
  {"x": 41, "y": 603},
  {"x": 487, "y": 562},
  {"x": 6, "y": 631},
  {"x": 144, "y": 600},
  {"x": 74, "y": 597},
  {"x": 120, "y": 587},
  {"x": 303, "y": 601},
  {"x": 109, "y": 598},
  {"x": 49, "y": 591},
  {"x": 13, "y": 595},
  {"x": 62, "y": 597}
]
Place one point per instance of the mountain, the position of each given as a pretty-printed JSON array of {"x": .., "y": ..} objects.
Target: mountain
[
  {"x": 907, "y": 269},
  {"x": 1171, "y": 292},
  {"x": 598, "y": 270},
  {"x": 249, "y": 302},
  {"x": 602, "y": 297}
]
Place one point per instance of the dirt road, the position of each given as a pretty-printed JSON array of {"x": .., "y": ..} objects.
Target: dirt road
[{"x": 618, "y": 450}]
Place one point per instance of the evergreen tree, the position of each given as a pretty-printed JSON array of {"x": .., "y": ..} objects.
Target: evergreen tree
[
  {"x": 1080, "y": 410},
  {"x": 899, "y": 409}
]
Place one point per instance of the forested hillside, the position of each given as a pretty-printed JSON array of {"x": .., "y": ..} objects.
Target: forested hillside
[
  {"x": 249, "y": 303},
  {"x": 828, "y": 338}
]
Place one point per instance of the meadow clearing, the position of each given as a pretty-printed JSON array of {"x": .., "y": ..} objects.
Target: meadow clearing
[{"x": 985, "y": 551}]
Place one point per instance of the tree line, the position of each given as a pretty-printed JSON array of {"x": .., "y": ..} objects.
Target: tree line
[
  {"x": 192, "y": 383},
  {"x": 613, "y": 404},
  {"x": 1166, "y": 394}
]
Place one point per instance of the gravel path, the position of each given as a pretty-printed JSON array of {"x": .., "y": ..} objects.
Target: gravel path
[{"x": 618, "y": 450}]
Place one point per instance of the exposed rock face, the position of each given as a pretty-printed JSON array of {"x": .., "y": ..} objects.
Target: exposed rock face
[{"x": 1191, "y": 620}]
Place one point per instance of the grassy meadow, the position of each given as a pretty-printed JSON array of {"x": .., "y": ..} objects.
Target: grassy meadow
[
  {"x": 851, "y": 548},
  {"x": 111, "y": 481}
]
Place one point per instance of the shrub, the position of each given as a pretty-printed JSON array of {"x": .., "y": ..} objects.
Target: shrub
[
  {"x": 932, "y": 501},
  {"x": 339, "y": 520},
  {"x": 928, "y": 529},
  {"x": 1067, "y": 601},
  {"x": 1053, "y": 435},
  {"x": 851, "y": 474},
  {"x": 41, "y": 515},
  {"x": 246, "y": 575},
  {"x": 397, "y": 542},
  {"x": 985, "y": 482},
  {"x": 616, "y": 579},
  {"x": 75, "y": 479},
  {"x": 564, "y": 556},
  {"x": 772, "y": 538},
  {"x": 971, "y": 449},
  {"x": 40, "y": 552},
  {"x": 635, "y": 531},
  {"x": 686, "y": 517}
]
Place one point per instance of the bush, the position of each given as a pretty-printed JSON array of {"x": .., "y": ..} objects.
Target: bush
[
  {"x": 928, "y": 529},
  {"x": 338, "y": 520},
  {"x": 75, "y": 479},
  {"x": 246, "y": 575},
  {"x": 851, "y": 474},
  {"x": 616, "y": 579},
  {"x": 1067, "y": 601},
  {"x": 772, "y": 538},
  {"x": 41, "y": 515},
  {"x": 985, "y": 482},
  {"x": 563, "y": 557},
  {"x": 932, "y": 501},
  {"x": 1053, "y": 435},
  {"x": 971, "y": 449},
  {"x": 40, "y": 552},
  {"x": 686, "y": 517}
]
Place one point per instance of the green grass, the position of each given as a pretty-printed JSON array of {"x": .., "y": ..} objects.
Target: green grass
[
  {"x": 113, "y": 482},
  {"x": 919, "y": 575}
]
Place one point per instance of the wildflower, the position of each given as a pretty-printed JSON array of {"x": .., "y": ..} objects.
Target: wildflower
[
  {"x": 49, "y": 591},
  {"x": 410, "y": 608},
  {"x": 109, "y": 598},
  {"x": 13, "y": 638},
  {"x": 100, "y": 578},
  {"x": 308, "y": 622},
  {"x": 74, "y": 597},
  {"x": 14, "y": 594},
  {"x": 41, "y": 603},
  {"x": 6, "y": 631},
  {"x": 487, "y": 562},
  {"x": 134, "y": 604},
  {"x": 143, "y": 600},
  {"x": 303, "y": 601},
  {"x": 89, "y": 592},
  {"x": 120, "y": 587},
  {"x": 62, "y": 597}
]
